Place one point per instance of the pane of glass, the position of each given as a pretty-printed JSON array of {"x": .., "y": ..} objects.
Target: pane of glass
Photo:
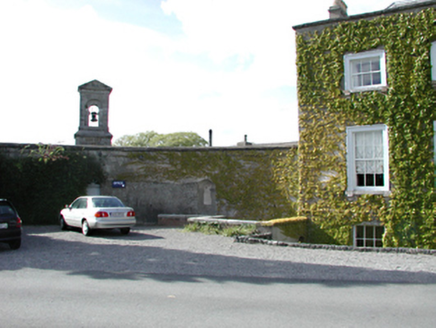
[
  {"x": 369, "y": 243},
  {"x": 378, "y": 167},
  {"x": 370, "y": 167},
  {"x": 369, "y": 151},
  {"x": 366, "y": 67},
  {"x": 359, "y": 243},
  {"x": 356, "y": 67},
  {"x": 375, "y": 65},
  {"x": 369, "y": 138},
  {"x": 359, "y": 138},
  {"x": 360, "y": 152},
  {"x": 359, "y": 232},
  {"x": 357, "y": 81},
  {"x": 360, "y": 180},
  {"x": 379, "y": 232},
  {"x": 378, "y": 151},
  {"x": 366, "y": 79},
  {"x": 369, "y": 232},
  {"x": 378, "y": 138},
  {"x": 378, "y": 243},
  {"x": 376, "y": 78},
  {"x": 369, "y": 180},
  {"x": 360, "y": 166},
  {"x": 379, "y": 180}
]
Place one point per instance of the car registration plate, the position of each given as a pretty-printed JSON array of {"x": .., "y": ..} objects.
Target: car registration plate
[
  {"x": 117, "y": 214},
  {"x": 3, "y": 225}
]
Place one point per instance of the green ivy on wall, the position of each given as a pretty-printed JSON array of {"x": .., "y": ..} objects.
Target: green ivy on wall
[
  {"x": 44, "y": 179},
  {"x": 407, "y": 108},
  {"x": 253, "y": 184}
]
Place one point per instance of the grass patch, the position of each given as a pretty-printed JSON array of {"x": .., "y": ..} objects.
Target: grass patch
[{"x": 219, "y": 229}]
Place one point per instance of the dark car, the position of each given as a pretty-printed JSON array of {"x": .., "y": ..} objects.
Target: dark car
[{"x": 10, "y": 224}]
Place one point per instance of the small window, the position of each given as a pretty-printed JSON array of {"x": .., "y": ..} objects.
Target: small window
[
  {"x": 79, "y": 203},
  {"x": 365, "y": 71},
  {"x": 433, "y": 61},
  {"x": 6, "y": 210},
  {"x": 367, "y": 159},
  {"x": 368, "y": 236},
  {"x": 107, "y": 202}
]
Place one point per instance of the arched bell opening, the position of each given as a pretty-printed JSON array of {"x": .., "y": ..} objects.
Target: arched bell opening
[{"x": 93, "y": 116}]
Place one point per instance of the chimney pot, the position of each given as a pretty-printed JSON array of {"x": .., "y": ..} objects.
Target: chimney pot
[{"x": 338, "y": 10}]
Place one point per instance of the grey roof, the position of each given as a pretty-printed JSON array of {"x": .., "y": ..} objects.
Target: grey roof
[
  {"x": 405, "y": 3},
  {"x": 397, "y": 6}
]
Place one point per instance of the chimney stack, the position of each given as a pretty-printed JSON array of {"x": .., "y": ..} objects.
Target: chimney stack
[
  {"x": 210, "y": 138},
  {"x": 338, "y": 10}
]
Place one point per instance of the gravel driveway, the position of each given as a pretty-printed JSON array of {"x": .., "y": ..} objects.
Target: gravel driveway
[{"x": 171, "y": 251}]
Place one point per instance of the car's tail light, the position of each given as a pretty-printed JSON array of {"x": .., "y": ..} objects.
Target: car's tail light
[
  {"x": 131, "y": 213},
  {"x": 101, "y": 214},
  {"x": 19, "y": 222}
]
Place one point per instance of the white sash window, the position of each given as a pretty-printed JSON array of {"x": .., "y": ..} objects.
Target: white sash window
[
  {"x": 367, "y": 159},
  {"x": 365, "y": 71}
]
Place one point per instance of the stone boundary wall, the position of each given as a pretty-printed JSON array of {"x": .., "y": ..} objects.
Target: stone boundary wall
[{"x": 230, "y": 181}]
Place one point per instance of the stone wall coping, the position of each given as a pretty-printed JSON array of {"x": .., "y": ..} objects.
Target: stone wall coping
[
  {"x": 219, "y": 219},
  {"x": 178, "y": 216},
  {"x": 287, "y": 145}
]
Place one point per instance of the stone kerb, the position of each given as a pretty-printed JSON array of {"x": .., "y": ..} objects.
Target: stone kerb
[
  {"x": 219, "y": 219},
  {"x": 174, "y": 220}
]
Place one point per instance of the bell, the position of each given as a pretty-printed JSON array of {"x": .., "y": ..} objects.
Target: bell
[{"x": 94, "y": 117}]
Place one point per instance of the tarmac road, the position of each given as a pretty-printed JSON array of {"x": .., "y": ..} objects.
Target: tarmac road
[{"x": 158, "y": 277}]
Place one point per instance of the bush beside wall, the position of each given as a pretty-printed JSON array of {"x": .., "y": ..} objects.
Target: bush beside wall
[{"x": 40, "y": 184}]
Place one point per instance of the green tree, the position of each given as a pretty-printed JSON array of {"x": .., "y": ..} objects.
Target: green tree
[{"x": 154, "y": 139}]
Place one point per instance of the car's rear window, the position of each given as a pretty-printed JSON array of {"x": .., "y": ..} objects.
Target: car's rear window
[
  {"x": 6, "y": 210},
  {"x": 107, "y": 202}
]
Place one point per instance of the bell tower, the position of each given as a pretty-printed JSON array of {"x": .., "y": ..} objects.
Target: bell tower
[{"x": 94, "y": 114}]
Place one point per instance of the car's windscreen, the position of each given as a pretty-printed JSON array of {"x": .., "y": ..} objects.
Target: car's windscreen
[
  {"x": 107, "y": 202},
  {"x": 6, "y": 210}
]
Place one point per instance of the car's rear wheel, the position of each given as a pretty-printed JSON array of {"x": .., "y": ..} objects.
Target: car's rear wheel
[
  {"x": 15, "y": 244},
  {"x": 85, "y": 228},
  {"x": 62, "y": 223},
  {"x": 124, "y": 231}
]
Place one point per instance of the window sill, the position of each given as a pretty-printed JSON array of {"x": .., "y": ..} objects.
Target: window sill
[
  {"x": 352, "y": 193},
  {"x": 382, "y": 89}
]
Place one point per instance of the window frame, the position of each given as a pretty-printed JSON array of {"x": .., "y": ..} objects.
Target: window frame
[
  {"x": 352, "y": 187},
  {"x": 434, "y": 149},
  {"x": 374, "y": 239},
  {"x": 350, "y": 57},
  {"x": 433, "y": 60}
]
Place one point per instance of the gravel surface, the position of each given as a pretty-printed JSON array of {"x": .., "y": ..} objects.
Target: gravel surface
[{"x": 171, "y": 251}]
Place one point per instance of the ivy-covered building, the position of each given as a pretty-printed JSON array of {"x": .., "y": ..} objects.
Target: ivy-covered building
[{"x": 367, "y": 111}]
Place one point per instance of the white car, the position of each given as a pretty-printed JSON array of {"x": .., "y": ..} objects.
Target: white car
[{"x": 97, "y": 212}]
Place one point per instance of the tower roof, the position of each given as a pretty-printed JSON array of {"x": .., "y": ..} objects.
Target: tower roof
[{"x": 95, "y": 85}]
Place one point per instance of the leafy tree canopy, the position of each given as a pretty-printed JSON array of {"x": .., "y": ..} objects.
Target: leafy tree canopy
[{"x": 154, "y": 139}]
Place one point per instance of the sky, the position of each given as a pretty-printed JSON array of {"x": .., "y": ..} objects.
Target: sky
[{"x": 174, "y": 66}]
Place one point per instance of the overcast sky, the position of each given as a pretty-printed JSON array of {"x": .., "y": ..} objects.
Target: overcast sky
[{"x": 174, "y": 65}]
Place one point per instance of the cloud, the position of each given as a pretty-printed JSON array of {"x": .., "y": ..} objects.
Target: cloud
[{"x": 189, "y": 65}]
